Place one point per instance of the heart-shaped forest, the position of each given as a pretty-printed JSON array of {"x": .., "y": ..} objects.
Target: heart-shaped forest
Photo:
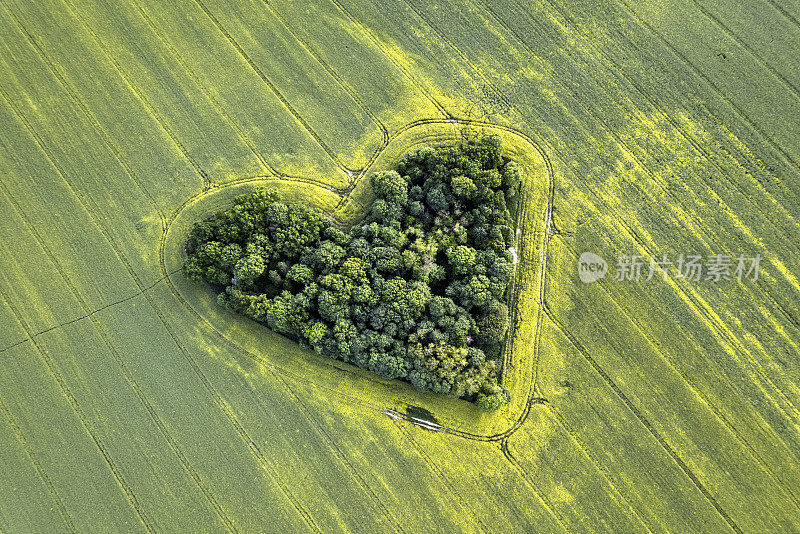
[{"x": 417, "y": 290}]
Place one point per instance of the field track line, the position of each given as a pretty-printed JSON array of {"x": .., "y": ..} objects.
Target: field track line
[
  {"x": 347, "y": 398},
  {"x": 267, "y": 166},
  {"x": 763, "y": 62},
  {"x": 101, "y": 331},
  {"x": 59, "y": 379},
  {"x": 711, "y": 406},
  {"x": 643, "y": 420},
  {"x": 130, "y": 269},
  {"x": 74, "y": 95},
  {"x": 203, "y": 89},
  {"x": 788, "y": 16},
  {"x": 700, "y": 303},
  {"x": 142, "y": 289},
  {"x": 140, "y": 96},
  {"x": 286, "y": 104},
  {"x": 604, "y": 471},
  {"x": 665, "y": 189},
  {"x": 509, "y": 457},
  {"x": 331, "y": 71},
  {"x": 308, "y": 414},
  {"x": 48, "y": 361},
  {"x": 686, "y": 136},
  {"x": 377, "y": 42},
  {"x": 616, "y": 388},
  {"x": 643, "y": 23},
  {"x": 62, "y": 510},
  {"x": 600, "y": 54},
  {"x": 441, "y": 476}
]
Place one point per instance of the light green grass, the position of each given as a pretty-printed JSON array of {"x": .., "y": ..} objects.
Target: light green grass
[{"x": 129, "y": 401}]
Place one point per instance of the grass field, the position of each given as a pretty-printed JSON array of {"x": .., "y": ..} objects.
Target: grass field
[{"x": 129, "y": 401}]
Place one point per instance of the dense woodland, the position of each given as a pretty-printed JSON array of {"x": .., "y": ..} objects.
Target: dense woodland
[{"x": 417, "y": 290}]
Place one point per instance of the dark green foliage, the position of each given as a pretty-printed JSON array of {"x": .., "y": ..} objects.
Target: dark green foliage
[{"x": 415, "y": 291}]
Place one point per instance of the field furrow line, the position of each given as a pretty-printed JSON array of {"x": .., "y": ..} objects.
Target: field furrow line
[
  {"x": 644, "y": 421},
  {"x": 203, "y": 89},
  {"x": 719, "y": 327},
  {"x": 48, "y": 361},
  {"x": 600, "y": 54},
  {"x": 641, "y": 332},
  {"x": 787, "y": 157},
  {"x": 52, "y": 368},
  {"x": 441, "y": 476},
  {"x": 676, "y": 201},
  {"x": 62, "y": 509},
  {"x": 307, "y": 413},
  {"x": 140, "y": 96},
  {"x": 788, "y": 16},
  {"x": 761, "y": 61},
  {"x": 530, "y": 483},
  {"x": 607, "y": 475},
  {"x": 286, "y": 104},
  {"x": 240, "y": 132},
  {"x": 377, "y": 42},
  {"x": 331, "y": 71},
  {"x": 112, "y": 147},
  {"x": 121, "y": 363},
  {"x": 704, "y": 153}
]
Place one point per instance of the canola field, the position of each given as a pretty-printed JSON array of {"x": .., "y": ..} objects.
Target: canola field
[{"x": 130, "y": 401}]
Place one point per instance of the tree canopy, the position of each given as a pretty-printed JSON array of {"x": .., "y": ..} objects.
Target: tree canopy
[{"x": 415, "y": 291}]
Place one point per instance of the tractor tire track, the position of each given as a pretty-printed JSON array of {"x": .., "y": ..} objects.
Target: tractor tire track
[
  {"x": 616, "y": 388},
  {"x": 529, "y": 482},
  {"x": 335, "y": 75},
  {"x": 206, "y": 180},
  {"x": 286, "y": 104},
  {"x": 113, "y": 148},
  {"x": 131, "y": 497},
  {"x": 62, "y": 509},
  {"x": 377, "y": 42},
  {"x": 308, "y": 414},
  {"x": 643, "y": 23}
]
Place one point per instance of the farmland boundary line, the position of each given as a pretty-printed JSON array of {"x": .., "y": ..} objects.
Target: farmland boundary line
[
  {"x": 440, "y": 475},
  {"x": 595, "y": 461},
  {"x": 89, "y": 314},
  {"x": 101, "y": 331},
  {"x": 200, "y": 85},
  {"x": 621, "y": 74},
  {"x": 377, "y": 42},
  {"x": 788, "y": 16},
  {"x": 664, "y": 444},
  {"x": 48, "y": 361}
]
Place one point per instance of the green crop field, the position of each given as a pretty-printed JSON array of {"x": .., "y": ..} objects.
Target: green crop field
[{"x": 131, "y": 401}]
